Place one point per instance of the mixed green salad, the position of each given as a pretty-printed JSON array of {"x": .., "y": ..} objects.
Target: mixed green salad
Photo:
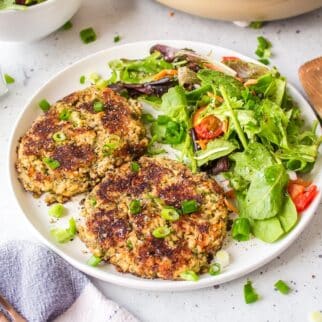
[
  {"x": 234, "y": 119},
  {"x": 17, "y": 4}
]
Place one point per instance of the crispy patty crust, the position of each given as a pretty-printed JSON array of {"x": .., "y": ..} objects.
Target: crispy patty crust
[
  {"x": 69, "y": 148},
  {"x": 126, "y": 240}
]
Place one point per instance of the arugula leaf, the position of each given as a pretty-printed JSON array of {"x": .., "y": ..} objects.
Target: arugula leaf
[
  {"x": 215, "y": 149},
  {"x": 214, "y": 78},
  {"x": 272, "y": 86},
  {"x": 265, "y": 194},
  {"x": 302, "y": 151},
  {"x": 276, "y": 91},
  {"x": 233, "y": 116},
  {"x": 298, "y": 156},
  {"x": 273, "y": 123},
  {"x": 248, "y": 163},
  {"x": 195, "y": 95}
]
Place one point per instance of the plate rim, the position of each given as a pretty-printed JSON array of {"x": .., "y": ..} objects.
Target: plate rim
[{"x": 149, "y": 284}]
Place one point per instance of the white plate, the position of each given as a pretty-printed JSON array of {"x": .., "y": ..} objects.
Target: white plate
[{"x": 245, "y": 256}]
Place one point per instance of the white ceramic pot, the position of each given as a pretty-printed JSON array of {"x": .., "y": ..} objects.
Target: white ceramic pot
[
  {"x": 244, "y": 10},
  {"x": 36, "y": 21}
]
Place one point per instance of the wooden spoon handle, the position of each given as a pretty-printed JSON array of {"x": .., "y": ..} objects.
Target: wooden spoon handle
[{"x": 310, "y": 75}]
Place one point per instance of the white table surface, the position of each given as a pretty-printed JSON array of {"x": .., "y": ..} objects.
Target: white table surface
[{"x": 294, "y": 41}]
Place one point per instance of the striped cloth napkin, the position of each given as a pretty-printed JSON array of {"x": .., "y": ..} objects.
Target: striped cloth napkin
[{"x": 37, "y": 285}]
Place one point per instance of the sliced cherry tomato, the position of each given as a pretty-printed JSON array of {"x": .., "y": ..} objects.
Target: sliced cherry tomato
[
  {"x": 229, "y": 58},
  {"x": 302, "y": 197},
  {"x": 295, "y": 189},
  {"x": 207, "y": 128}
]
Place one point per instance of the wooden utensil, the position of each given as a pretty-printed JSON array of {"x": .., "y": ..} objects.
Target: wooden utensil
[{"x": 310, "y": 75}]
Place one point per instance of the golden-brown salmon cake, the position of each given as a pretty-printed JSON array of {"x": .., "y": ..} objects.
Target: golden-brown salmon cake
[
  {"x": 123, "y": 214},
  {"x": 69, "y": 148}
]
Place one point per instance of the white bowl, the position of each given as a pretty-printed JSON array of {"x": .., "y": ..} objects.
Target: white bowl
[
  {"x": 244, "y": 10},
  {"x": 36, "y": 21}
]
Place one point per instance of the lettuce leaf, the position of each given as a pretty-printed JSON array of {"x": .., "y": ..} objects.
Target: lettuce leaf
[
  {"x": 138, "y": 70},
  {"x": 215, "y": 149},
  {"x": 174, "y": 105}
]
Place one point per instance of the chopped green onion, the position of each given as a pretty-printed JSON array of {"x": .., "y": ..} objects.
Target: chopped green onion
[
  {"x": 170, "y": 213},
  {"x": 250, "y": 294},
  {"x": 51, "y": 163},
  {"x": 92, "y": 201},
  {"x": 59, "y": 137},
  {"x": 214, "y": 269},
  {"x": 88, "y": 35},
  {"x": 189, "y": 206},
  {"x": 65, "y": 114},
  {"x": 315, "y": 316},
  {"x": 98, "y": 106},
  {"x": 72, "y": 226},
  {"x": 129, "y": 245},
  {"x": 189, "y": 276},
  {"x": 263, "y": 43},
  {"x": 241, "y": 229},
  {"x": 44, "y": 105},
  {"x": 64, "y": 235},
  {"x": 61, "y": 235},
  {"x": 94, "y": 77},
  {"x": 135, "y": 167},
  {"x": 117, "y": 38},
  {"x": 82, "y": 79},
  {"x": 161, "y": 232},
  {"x": 264, "y": 61},
  {"x": 256, "y": 24},
  {"x": 67, "y": 25},
  {"x": 94, "y": 261},
  {"x": 282, "y": 287},
  {"x": 147, "y": 118},
  {"x": 8, "y": 79},
  {"x": 223, "y": 258},
  {"x": 57, "y": 210},
  {"x": 101, "y": 84},
  {"x": 135, "y": 207},
  {"x": 111, "y": 144}
]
